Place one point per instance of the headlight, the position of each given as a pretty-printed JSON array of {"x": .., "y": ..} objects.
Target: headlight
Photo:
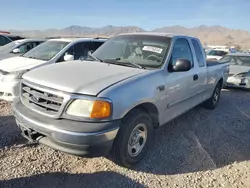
[
  {"x": 244, "y": 81},
  {"x": 9, "y": 78},
  {"x": 12, "y": 76},
  {"x": 243, "y": 75},
  {"x": 99, "y": 109}
]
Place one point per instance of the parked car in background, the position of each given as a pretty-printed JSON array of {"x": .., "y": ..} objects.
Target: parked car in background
[
  {"x": 18, "y": 47},
  {"x": 239, "y": 74},
  {"x": 7, "y": 38},
  {"x": 132, "y": 84},
  {"x": 207, "y": 50},
  {"x": 217, "y": 54},
  {"x": 49, "y": 52}
]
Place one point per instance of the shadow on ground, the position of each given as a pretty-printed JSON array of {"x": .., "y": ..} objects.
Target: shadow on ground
[
  {"x": 49, "y": 180},
  {"x": 9, "y": 132},
  {"x": 199, "y": 140},
  {"x": 202, "y": 140}
]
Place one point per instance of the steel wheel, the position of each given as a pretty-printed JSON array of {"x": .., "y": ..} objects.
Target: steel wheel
[
  {"x": 137, "y": 140},
  {"x": 216, "y": 95}
]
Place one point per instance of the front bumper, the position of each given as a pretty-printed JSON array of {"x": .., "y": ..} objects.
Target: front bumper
[
  {"x": 9, "y": 91},
  {"x": 235, "y": 82},
  {"x": 73, "y": 137}
]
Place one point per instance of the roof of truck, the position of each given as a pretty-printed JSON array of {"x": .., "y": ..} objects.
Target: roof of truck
[{"x": 156, "y": 34}]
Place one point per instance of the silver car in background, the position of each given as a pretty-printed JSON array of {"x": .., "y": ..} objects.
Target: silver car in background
[
  {"x": 19, "y": 47},
  {"x": 239, "y": 74}
]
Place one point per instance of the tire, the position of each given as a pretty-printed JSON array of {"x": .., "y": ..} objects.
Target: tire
[
  {"x": 212, "y": 102},
  {"x": 139, "y": 123}
]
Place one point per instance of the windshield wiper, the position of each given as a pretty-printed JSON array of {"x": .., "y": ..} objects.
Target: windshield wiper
[
  {"x": 136, "y": 65},
  {"x": 116, "y": 61},
  {"x": 33, "y": 57},
  {"x": 36, "y": 58},
  {"x": 91, "y": 55}
]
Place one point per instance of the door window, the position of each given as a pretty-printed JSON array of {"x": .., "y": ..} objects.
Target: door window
[
  {"x": 27, "y": 46},
  {"x": 4, "y": 40},
  {"x": 181, "y": 50},
  {"x": 79, "y": 51},
  {"x": 96, "y": 45}
]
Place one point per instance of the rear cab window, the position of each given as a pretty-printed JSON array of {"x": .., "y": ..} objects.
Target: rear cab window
[{"x": 198, "y": 52}]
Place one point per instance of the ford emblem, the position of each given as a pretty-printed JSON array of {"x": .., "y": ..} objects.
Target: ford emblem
[{"x": 35, "y": 98}]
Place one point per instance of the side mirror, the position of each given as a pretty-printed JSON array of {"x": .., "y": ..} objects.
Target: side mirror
[
  {"x": 16, "y": 50},
  {"x": 182, "y": 65},
  {"x": 90, "y": 52},
  {"x": 68, "y": 57}
]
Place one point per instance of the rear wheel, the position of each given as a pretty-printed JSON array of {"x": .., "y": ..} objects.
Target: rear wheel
[
  {"x": 133, "y": 138},
  {"x": 212, "y": 102}
]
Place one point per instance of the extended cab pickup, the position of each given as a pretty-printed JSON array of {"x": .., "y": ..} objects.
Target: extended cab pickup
[{"x": 112, "y": 102}]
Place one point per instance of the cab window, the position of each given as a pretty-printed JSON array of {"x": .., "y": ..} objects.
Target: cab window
[{"x": 181, "y": 50}]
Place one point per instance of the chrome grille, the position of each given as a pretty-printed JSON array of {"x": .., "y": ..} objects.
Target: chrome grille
[{"x": 39, "y": 100}]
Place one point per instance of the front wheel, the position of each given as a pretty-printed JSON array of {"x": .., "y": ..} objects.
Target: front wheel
[
  {"x": 212, "y": 102},
  {"x": 133, "y": 138}
]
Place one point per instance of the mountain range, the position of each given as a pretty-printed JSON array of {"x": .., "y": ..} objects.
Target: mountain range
[{"x": 212, "y": 35}]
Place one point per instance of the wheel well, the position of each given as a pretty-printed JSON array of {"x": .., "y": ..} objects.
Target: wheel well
[
  {"x": 221, "y": 82},
  {"x": 152, "y": 110}
]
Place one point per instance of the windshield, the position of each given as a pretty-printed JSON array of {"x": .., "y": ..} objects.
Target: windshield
[
  {"x": 8, "y": 46},
  {"x": 46, "y": 50},
  {"x": 143, "y": 50},
  {"x": 236, "y": 60},
  {"x": 217, "y": 53}
]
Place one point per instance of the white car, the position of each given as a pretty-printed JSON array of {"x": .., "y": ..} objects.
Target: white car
[
  {"x": 239, "y": 73},
  {"x": 217, "y": 54},
  {"x": 49, "y": 52}
]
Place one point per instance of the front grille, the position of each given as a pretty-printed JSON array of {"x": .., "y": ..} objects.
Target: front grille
[{"x": 42, "y": 101}]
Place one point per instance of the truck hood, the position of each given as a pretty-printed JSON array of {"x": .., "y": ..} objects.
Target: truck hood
[
  {"x": 236, "y": 69},
  {"x": 82, "y": 77},
  {"x": 19, "y": 63}
]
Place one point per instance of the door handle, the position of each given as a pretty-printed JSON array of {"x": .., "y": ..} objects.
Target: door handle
[
  {"x": 160, "y": 88},
  {"x": 195, "y": 77}
]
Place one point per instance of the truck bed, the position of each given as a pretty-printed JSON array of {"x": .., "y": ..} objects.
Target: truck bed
[{"x": 211, "y": 63}]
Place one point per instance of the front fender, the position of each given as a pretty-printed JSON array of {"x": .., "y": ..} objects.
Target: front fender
[{"x": 134, "y": 91}]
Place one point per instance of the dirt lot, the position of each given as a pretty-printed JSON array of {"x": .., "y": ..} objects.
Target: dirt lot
[{"x": 200, "y": 149}]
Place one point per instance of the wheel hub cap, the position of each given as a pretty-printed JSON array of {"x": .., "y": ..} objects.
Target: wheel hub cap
[
  {"x": 137, "y": 140},
  {"x": 216, "y": 95}
]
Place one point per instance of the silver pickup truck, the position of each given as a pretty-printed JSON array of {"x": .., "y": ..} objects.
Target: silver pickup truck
[{"x": 113, "y": 101}]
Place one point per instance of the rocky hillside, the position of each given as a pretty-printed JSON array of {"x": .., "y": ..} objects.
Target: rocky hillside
[
  {"x": 208, "y": 35},
  {"x": 213, "y": 35}
]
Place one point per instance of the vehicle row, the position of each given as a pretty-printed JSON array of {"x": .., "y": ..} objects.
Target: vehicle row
[{"x": 110, "y": 98}]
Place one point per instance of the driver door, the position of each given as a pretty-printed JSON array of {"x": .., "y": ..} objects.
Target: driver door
[{"x": 179, "y": 85}]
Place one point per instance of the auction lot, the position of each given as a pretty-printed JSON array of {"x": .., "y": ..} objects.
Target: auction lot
[{"x": 201, "y": 148}]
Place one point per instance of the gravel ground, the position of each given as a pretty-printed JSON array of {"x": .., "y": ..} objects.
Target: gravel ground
[{"x": 201, "y": 148}]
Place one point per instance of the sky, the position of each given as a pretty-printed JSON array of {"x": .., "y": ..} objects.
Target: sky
[{"x": 147, "y": 14}]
